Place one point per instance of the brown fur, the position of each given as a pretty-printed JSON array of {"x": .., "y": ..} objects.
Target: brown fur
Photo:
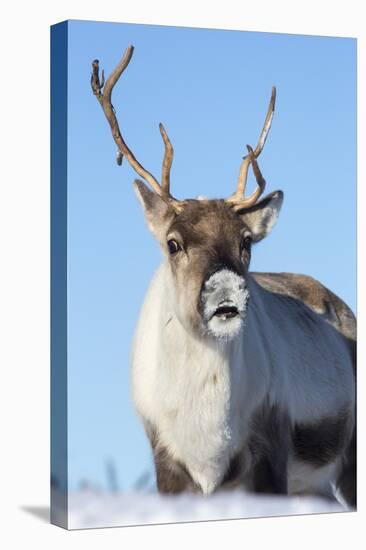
[
  {"x": 322, "y": 441},
  {"x": 171, "y": 476},
  {"x": 269, "y": 444}
]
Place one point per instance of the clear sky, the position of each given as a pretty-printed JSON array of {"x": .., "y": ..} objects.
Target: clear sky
[{"x": 211, "y": 89}]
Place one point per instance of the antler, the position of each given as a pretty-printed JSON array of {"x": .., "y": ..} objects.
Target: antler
[
  {"x": 237, "y": 199},
  {"x": 103, "y": 93},
  {"x": 105, "y": 99}
]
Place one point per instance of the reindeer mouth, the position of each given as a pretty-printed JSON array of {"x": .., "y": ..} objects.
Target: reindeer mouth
[{"x": 226, "y": 312}]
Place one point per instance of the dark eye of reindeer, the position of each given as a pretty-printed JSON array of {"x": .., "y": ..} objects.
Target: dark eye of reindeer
[
  {"x": 173, "y": 246},
  {"x": 246, "y": 243}
]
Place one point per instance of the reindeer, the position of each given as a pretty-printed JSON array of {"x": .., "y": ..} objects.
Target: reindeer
[{"x": 240, "y": 378}]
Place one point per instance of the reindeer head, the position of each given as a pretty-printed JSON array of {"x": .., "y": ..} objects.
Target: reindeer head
[{"x": 207, "y": 243}]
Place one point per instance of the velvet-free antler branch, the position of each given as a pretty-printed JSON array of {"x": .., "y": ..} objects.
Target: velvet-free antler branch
[
  {"x": 104, "y": 97},
  {"x": 237, "y": 199}
]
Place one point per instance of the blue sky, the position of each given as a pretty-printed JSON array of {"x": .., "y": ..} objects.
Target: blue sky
[{"x": 211, "y": 89}]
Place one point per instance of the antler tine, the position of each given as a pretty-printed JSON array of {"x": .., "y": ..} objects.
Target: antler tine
[
  {"x": 105, "y": 99},
  {"x": 267, "y": 123},
  {"x": 167, "y": 162},
  {"x": 261, "y": 183},
  {"x": 238, "y": 196}
]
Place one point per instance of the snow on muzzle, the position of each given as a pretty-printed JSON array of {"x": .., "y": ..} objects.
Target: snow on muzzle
[{"x": 224, "y": 299}]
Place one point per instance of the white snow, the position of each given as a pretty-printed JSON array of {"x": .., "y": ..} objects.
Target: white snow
[{"x": 88, "y": 509}]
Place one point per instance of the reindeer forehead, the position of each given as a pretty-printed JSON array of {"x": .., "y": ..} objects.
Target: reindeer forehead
[{"x": 203, "y": 220}]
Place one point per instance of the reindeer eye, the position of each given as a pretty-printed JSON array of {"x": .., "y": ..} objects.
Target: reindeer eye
[
  {"x": 173, "y": 246},
  {"x": 246, "y": 242}
]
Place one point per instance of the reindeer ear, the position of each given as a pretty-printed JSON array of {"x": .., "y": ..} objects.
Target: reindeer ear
[
  {"x": 158, "y": 212},
  {"x": 262, "y": 217}
]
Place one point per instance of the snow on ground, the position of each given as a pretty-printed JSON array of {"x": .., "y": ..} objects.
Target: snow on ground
[{"x": 88, "y": 509}]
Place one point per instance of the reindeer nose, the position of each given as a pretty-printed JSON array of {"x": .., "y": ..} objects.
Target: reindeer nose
[
  {"x": 224, "y": 282},
  {"x": 224, "y": 296}
]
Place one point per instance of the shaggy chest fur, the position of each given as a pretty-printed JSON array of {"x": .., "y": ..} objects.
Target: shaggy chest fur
[
  {"x": 196, "y": 394},
  {"x": 198, "y": 417}
]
